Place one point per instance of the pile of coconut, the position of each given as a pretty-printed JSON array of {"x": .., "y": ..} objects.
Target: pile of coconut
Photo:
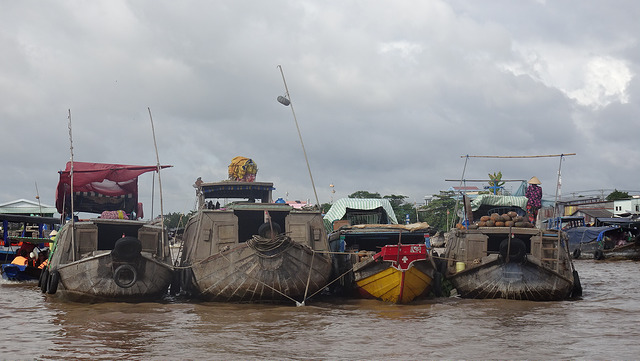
[{"x": 511, "y": 219}]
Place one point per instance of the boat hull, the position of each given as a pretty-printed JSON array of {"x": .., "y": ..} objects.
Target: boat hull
[
  {"x": 511, "y": 263},
  {"x": 13, "y": 272},
  {"x": 99, "y": 278},
  {"x": 517, "y": 281},
  {"x": 383, "y": 281},
  {"x": 243, "y": 274}
]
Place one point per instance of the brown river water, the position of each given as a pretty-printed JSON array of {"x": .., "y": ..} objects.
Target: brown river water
[{"x": 604, "y": 324}]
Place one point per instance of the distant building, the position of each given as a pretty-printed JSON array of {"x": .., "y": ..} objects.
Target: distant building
[
  {"x": 624, "y": 207},
  {"x": 590, "y": 215},
  {"x": 571, "y": 207},
  {"x": 28, "y": 208}
]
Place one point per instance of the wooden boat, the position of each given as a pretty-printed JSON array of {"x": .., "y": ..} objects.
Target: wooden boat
[
  {"x": 24, "y": 235},
  {"x": 27, "y": 232},
  {"x": 610, "y": 238},
  {"x": 110, "y": 258},
  {"x": 252, "y": 252},
  {"x": 377, "y": 268},
  {"x": 389, "y": 262},
  {"x": 513, "y": 262}
]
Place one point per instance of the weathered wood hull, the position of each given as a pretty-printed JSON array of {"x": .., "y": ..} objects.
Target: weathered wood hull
[
  {"x": 511, "y": 263},
  {"x": 95, "y": 279},
  {"x": 244, "y": 274},
  {"x": 629, "y": 251},
  {"x": 518, "y": 281},
  {"x": 379, "y": 279}
]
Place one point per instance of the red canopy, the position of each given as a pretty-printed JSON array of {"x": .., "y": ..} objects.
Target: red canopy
[{"x": 99, "y": 180}]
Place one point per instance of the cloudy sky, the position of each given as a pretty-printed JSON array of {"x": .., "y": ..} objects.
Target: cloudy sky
[{"x": 388, "y": 94}]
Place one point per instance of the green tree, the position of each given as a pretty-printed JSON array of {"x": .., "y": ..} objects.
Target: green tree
[
  {"x": 616, "y": 195},
  {"x": 364, "y": 194},
  {"x": 324, "y": 207},
  {"x": 400, "y": 208},
  {"x": 176, "y": 219},
  {"x": 439, "y": 210}
]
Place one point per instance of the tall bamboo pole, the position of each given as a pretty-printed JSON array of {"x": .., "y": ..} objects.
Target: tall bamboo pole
[{"x": 299, "y": 135}]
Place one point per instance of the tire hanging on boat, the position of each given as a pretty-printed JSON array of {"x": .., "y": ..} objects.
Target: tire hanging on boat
[
  {"x": 265, "y": 229},
  {"x": 126, "y": 248},
  {"x": 516, "y": 251},
  {"x": 125, "y": 276},
  {"x": 598, "y": 255},
  {"x": 577, "y": 286},
  {"x": 576, "y": 253},
  {"x": 44, "y": 280},
  {"x": 52, "y": 283}
]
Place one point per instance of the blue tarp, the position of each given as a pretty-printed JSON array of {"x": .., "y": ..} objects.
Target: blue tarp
[{"x": 587, "y": 234}]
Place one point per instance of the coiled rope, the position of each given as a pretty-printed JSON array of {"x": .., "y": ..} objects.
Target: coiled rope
[{"x": 266, "y": 245}]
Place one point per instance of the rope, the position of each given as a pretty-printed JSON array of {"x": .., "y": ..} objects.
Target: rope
[
  {"x": 259, "y": 281},
  {"x": 306, "y": 289},
  {"x": 265, "y": 245},
  {"x": 330, "y": 283}
]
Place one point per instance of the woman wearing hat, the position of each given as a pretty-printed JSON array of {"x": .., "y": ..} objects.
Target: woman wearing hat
[{"x": 534, "y": 198}]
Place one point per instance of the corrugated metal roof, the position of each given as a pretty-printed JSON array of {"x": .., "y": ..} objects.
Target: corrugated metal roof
[{"x": 24, "y": 206}]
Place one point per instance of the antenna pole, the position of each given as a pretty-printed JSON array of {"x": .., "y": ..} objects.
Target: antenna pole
[
  {"x": 299, "y": 135},
  {"x": 153, "y": 131},
  {"x": 38, "y": 198}
]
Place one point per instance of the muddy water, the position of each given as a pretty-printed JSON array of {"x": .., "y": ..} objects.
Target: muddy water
[{"x": 605, "y": 324}]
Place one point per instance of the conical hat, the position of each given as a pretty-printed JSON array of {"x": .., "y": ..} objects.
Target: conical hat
[{"x": 534, "y": 180}]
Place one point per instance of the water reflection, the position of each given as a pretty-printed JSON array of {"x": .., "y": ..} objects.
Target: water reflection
[{"x": 603, "y": 325}]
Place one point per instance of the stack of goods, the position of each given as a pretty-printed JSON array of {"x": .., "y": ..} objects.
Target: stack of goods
[{"x": 511, "y": 219}]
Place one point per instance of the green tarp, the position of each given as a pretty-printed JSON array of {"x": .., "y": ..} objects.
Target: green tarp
[{"x": 339, "y": 209}]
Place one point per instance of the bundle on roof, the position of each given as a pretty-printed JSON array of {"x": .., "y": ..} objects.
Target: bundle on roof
[{"x": 243, "y": 169}]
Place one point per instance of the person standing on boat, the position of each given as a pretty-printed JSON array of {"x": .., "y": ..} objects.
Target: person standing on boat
[{"x": 534, "y": 198}]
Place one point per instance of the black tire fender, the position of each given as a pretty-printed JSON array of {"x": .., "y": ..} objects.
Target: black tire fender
[
  {"x": 120, "y": 276},
  {"x": 598, "y": 255},
  {"x": 517, "y": 250},
  {"x": 174, "y": 288},
  {"x": 127, "y": 249},
  {"x": 264, "y": 230},
  {"x": 52, "y": 284},
  {"x": 44, "y": 280},
  {"x": 577, "y": 286},
  {"x": 576, "y": 253}
]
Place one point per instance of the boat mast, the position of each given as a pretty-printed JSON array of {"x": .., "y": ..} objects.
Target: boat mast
[
  {"x": 455, "y": 209},
  {"x": 73, "y": 224},
  {"x": 287, "y": 101},
  {"x": 153, "y": 131},
  {"x": 38, "y": 198},
  {"x": 558, "y": 187}
]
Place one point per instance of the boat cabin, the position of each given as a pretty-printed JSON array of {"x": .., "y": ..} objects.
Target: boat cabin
[
  {"x": 99, "y": 236},
  {"x": 216, "y": 228}
]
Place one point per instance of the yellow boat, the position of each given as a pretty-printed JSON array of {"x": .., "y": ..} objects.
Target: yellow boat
[{"x": 396, "y": 274}]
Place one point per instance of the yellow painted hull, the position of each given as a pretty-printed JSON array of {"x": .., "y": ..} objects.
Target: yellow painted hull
[{"x": 396, "y": 286}]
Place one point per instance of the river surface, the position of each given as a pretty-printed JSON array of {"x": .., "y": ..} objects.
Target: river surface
[{"x": 604, "y": 324}]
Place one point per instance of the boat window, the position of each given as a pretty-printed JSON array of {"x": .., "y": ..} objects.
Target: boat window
[
  {"x": 250, "y": 220},
  {"x": 375, "y": 241},
  {"x": 108, "y": 234}
]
